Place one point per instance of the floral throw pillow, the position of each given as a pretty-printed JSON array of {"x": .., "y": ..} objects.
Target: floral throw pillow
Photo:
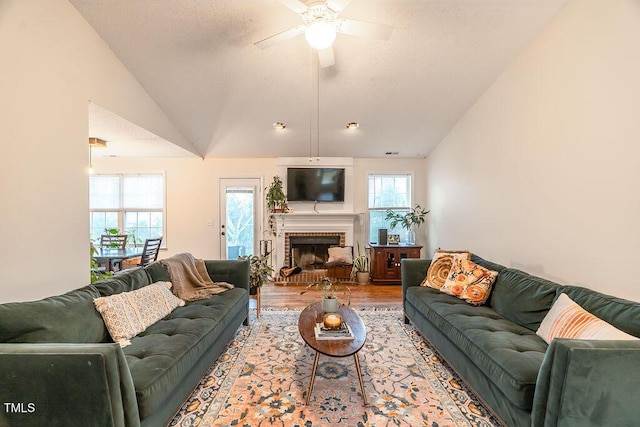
[
  {"x": 469, "y": 281},
  {"x": 440, "y": 266}
]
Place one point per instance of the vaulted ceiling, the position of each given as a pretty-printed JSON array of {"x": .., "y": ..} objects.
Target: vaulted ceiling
[{"x": 198, "y": 61}]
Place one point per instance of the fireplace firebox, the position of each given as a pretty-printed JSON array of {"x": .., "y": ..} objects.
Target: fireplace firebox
[{"x": 310, "y": 251}]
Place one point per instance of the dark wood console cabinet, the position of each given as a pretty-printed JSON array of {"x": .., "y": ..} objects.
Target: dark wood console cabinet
[{"x": 385, "y": 262}]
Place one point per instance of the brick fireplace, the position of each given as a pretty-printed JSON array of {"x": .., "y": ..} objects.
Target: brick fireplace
[
  {"x": 310, "y": 251},
  {"x": 311, "y": 229}
]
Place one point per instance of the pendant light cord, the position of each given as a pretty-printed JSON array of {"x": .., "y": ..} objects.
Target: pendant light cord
[
  {"x": 318, "y": 110},
  {"x": 310, "y": 103},
  {"x": 314, "y": 71}
]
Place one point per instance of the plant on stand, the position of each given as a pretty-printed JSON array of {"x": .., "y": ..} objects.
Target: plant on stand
[
  {"x": 410, "y": 221},
  {"x": 276, "y": 202},
  {"x": 360, "y": 269},
  {"x": 260, "y": 270},
  {"x": 330, "y": 291}
]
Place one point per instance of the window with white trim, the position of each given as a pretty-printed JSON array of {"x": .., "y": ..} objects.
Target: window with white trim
[
  {"x": 388, "y": 191},
  {"x": 133, "y": 204}
]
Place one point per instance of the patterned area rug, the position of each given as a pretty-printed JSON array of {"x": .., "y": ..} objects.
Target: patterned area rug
[{"x": 262, "y": 379}]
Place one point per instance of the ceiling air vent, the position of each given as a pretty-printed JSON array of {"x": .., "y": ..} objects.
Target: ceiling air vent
[{"x": 391, "y": 153}]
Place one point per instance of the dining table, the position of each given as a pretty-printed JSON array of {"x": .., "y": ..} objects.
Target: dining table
[{"x": 107, "y": 256}]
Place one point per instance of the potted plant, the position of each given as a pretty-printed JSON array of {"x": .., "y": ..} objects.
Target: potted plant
[
  {"x": 260, "y": 271},
  {"x": 330, "y": 291},
  {"x": 276, "y": 198},
  {"x": 276, "y": 202},
  {"x": 361, "y": 267},
  {"x": 96, "y": 272},
  {"x": 132, "y": 236},
  {"x": 410, "y": 221}
]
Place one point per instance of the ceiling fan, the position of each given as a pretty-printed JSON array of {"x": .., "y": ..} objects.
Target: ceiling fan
[{"x": 321, "y": 23}]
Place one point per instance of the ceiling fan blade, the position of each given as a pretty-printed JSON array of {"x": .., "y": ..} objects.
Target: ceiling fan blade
[
  {"x": 338, "y": 5},
  {"x": 295, "y": 5},
  {"x": 280, "y": 37},
  {"x": 325, "y": 56},
  {"x": 364, "y": 29}
]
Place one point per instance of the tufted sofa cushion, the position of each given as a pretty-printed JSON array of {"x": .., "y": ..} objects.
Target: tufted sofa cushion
[
  {"x": 506, "y": 352},
  {"x": 162, "y": 355}
]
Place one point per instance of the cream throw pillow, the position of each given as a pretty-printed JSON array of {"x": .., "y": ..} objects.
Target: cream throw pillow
[
  {"x": 128, "y": 313},
  {"x": 341, "y": 254},
  {"x": 566, "y": 319},
  {"x": 469, "y": 281},
  {"x": 440, "y": 266}
]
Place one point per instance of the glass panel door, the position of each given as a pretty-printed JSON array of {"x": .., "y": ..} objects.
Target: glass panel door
[{"x": 239, "y": 210}]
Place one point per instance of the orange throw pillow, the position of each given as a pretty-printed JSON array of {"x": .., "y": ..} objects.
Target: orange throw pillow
[
  {"x": 440, "y": 267},
  {"x": 469, "y": 281}
]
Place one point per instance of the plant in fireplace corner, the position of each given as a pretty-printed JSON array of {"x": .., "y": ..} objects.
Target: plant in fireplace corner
[{"x": 360, "y": 271}]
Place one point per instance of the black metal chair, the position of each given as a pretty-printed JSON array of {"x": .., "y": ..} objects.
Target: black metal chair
[
  {"x": 149, "y": 254},
  {"x": 115, "y": 241},
  {"x": 150, "y": 251}
]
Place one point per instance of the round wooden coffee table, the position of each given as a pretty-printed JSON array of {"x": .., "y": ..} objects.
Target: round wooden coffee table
[{"x": 333, "y": 348}]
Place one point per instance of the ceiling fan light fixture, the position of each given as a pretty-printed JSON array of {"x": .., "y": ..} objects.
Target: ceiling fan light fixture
[{"x": 320, "y": 34}]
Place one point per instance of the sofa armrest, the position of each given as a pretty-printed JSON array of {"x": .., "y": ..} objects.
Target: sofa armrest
[
  {"x": 235, "y": 272},
  {"x": 413, "y": 272},
  {"x": 588, "y": 383},
  {"x": 66, "y": 385}
]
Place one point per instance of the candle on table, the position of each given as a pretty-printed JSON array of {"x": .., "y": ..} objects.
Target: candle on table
[{"x": 332, "y": 320}]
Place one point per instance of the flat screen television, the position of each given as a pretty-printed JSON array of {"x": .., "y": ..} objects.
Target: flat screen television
[{"x": 315, "y": 184}]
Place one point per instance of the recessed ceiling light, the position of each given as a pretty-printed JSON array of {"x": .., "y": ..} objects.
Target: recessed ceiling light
[
  {"x": 353, "y": 125},
  {"x": 279, "y": 125}
]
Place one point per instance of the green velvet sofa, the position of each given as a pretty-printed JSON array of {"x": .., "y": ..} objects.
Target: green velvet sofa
[
  {"x": 59, "y": 366},
  {"x": 525, "y": 382}
]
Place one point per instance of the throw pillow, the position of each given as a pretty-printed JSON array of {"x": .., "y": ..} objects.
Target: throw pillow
[
  {"x": 341, "y": 254},
  {"x": 566, "y": 319},
  {"x": 469, "y": 281},
  {"x": 440, "y": 267},
  {"x": 128, "y": 313}
]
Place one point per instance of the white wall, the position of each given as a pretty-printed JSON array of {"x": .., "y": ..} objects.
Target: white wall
[
  {"x": 192, "y": 193},
  {"x": 192, "y": 196},
  {"x": 542, "y": 173},
  {"x": 52, "y": 65}
]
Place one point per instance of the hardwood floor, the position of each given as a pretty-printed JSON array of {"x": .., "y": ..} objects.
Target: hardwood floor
[{"x": 362, "y": 296}]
